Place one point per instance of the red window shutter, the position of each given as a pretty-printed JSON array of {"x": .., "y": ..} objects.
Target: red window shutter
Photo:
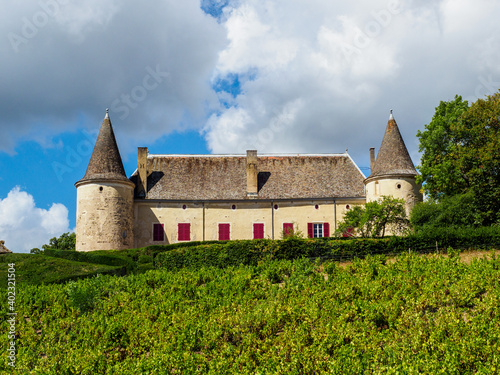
[
  {"x": 258, "y": 231},
  {"x": 184, "y": 231},
  {"x": 158, "y": 232},
  {"x": 287, "y": 229},
  {"x": 224, "y": 232},
  {"x": 310, "y": 230},
  {"x": 326, "y": 229},
  {"x": 348, "y": 233}
]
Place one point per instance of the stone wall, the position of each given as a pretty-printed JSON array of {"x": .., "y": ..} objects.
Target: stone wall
[{"x": 105, "y": 216}]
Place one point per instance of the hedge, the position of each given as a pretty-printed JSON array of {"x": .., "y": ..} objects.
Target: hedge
[
  {"x": 95, "y": 257},
  {"x": 250, "y": 252}
]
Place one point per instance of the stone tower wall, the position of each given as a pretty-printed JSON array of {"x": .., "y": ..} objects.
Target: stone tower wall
[
  {"x": 104, "y": 216},
  {"x": 402, "y": 187}
]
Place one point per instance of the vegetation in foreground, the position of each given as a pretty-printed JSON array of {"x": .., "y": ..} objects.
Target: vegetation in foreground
[{"x": 417, "y": 314}]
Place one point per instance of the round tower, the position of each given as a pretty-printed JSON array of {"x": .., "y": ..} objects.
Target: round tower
[
  {"x": 393, "y": 172},
  {"x": 105, "y": 198}
]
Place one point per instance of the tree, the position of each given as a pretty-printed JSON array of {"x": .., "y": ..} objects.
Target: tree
[
  {"x": 461, "y": 154},
  {"x": 437, "y": 142},
  {"x": 67, "y": 241},
  {"x": 374, "y": 218},
  {"x": 477, "y": 151},
  {"x": 455, "y": 211}
]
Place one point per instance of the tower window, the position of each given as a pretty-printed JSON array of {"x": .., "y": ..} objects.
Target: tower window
[{"x": 398, "y": 186}]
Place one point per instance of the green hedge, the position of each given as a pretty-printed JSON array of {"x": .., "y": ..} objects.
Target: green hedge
[
  {"x": 250, "y": 252},
  {"x": 95, "y": 257}
]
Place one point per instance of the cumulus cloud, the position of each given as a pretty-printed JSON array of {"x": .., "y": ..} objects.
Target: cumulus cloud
[
  {"x": 330, "y": 70},
  {"x": 65, "y": 62},
  {"x": 24, "y": 226},
  {"x": 337, "y": 68}
]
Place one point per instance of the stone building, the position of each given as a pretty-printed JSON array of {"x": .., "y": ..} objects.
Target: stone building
[{"x": 173, "y": 198}]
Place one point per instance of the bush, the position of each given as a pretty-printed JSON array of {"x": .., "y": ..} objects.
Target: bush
[
  {"x": 96, "y": 257},
  {"x": 234, "y": 253}
]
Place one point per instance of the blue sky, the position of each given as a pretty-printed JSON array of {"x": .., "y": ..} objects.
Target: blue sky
[{"x": 220, "y": 76}]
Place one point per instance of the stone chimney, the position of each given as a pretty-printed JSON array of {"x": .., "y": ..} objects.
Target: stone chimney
[
  {"x": 142, "y": 169},
  {"x": 372, "y": 159},
  {"x": 252, "y": 172}
]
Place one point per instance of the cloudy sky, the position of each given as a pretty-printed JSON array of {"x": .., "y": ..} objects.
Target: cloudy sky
[{"x": 219, "y": 76}]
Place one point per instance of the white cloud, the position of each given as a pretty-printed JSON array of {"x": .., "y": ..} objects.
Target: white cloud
[
  {"x": 341, "y": 66},
  {"x": 69, "y": 61},
  {"x": 24, "y": 226}
]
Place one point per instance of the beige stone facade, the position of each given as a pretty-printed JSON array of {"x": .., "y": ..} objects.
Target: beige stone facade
[
  {"x": 175, "y": 198},
  {"x": 204, "y": 218}
]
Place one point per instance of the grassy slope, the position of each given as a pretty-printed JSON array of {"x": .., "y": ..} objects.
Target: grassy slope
[
  {"x": 418, "y": 314},
  {"x": 37, "y": 269}
]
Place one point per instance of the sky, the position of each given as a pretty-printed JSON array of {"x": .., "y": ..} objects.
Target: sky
[{"x": 220, "y": 76}]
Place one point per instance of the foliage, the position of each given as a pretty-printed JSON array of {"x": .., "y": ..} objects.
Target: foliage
[
  {"x": 67, "y": 241},
  {"x": 461, "y": 154},
  {"x": 413, "y": 315},
  {"x": 84, "y": 295},
  {"x": 109, "y": 258},
  {"x": 38, "y": 269},
  {"x": 234, "y": 253},
  {"x": 454, "y": 211},
  {"x": 477, "y": 155},
  {"x": 372, "y": 219},
  {"x": 437, "y": 169}
]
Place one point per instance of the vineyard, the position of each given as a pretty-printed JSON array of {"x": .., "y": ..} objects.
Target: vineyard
[{"x": 413, "y": 314}]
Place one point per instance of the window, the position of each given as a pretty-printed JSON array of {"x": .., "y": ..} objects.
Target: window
[
  {"x": 317, "y": 230},
  {"x": 258, "y": 231},
  {"x": 287, "y": 229},
  {"x": 184, "y": 231},
  {"x": 224, "y": 232},
  {"x": 158, "y": 232}
]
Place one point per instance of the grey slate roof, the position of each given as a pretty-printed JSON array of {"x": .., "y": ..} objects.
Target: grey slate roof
[
  {"x": 105, "y": 162},
  {"x": 214, "y": 177},
  {"x": 393, "y": 157}
]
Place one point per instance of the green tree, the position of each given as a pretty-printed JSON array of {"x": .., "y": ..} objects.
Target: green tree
[
  {"x": 374, "y": 218},
  {"x": 437, "y": 169},
  {"x": 455, "y": 211},
  {"x": 477, "y": 151},
  {"x": 461, "y": 154},
  {"x": 67, "y": 241}
]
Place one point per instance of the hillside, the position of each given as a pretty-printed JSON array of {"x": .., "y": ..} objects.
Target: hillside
[{"x": 415, "y": 314}]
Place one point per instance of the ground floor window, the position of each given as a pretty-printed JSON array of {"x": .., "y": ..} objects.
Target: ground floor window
[
  {"x": 317, "y": 230},
  {"x": 158, "y": 232},
  {"x": 224, "y": 232},
  {"x": 287, "y": 229},
  {"x": 184, "y": 231},
  {"x": 258, "y": 231}
]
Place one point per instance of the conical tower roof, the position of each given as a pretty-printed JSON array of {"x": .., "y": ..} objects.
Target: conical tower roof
[
  {"x": 393, "y": 158},
  {"x": 105, "y": 163}
]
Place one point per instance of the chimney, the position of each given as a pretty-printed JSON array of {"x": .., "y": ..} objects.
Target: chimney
[
  {"x": 252, "y": 172},
  {"x": 372, "y": 159},
  {"x": 142, "y": 169}
]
